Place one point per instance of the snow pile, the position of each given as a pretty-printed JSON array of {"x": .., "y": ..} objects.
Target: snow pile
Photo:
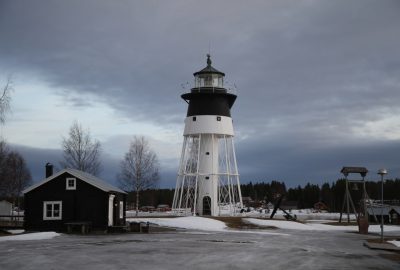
[
  {"x": 30, "y": 236},
  {"x": 15, "y": 231},
  {"x": 132, "y": 214},
  {"x": 198, "y": 223},
  {"x": 395, "y": 242},
  {"x": 193, "y": 223},
  {"x": 281, "y": 224},
  {"x": 292, "y": 225},
  {"x": 208, "y": 224},
  {"x": 301, "y": 214}
]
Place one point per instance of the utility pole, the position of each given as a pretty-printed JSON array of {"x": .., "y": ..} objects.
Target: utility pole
[{"x": 382, "y": 172}]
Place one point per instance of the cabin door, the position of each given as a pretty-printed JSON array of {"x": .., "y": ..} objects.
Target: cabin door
[{"x": 111, "y": 210}]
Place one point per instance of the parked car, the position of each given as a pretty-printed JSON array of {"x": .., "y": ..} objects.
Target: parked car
[
  {"x": 163, "y": 208},
  {"x": 147, "y": 209}
]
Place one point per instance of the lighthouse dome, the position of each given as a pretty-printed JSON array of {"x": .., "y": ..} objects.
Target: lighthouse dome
[{"x": 209, "y": 76}]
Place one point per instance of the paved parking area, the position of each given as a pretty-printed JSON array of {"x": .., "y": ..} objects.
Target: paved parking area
[{"x": 196, "y": 250}]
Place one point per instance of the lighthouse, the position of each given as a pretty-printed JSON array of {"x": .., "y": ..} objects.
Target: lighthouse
[{"x": 208, "y": 178}]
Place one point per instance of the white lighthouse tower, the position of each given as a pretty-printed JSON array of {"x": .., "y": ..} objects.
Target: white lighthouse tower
[{"x": 208, "y": 179}]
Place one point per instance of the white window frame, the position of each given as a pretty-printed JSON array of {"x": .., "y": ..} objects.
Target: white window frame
[
  {"x": 121, "y": 209},
  {"x": 67, "y": 181},
  {"x": 52, "y": 217}
]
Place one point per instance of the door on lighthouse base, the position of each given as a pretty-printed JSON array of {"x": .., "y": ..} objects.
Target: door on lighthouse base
[{"x": 206, "y": 206}]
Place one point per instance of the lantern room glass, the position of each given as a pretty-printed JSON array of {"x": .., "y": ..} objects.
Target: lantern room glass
[{"x": 209, "y": 80}]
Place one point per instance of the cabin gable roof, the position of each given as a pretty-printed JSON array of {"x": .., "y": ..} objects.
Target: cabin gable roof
[{"x": 86, "y": 177}]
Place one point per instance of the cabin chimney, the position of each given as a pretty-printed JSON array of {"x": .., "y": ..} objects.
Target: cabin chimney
[{"x": 49, "y": 169}]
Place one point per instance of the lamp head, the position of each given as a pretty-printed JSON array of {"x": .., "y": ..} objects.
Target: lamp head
[{"x": 382, "y": 171}]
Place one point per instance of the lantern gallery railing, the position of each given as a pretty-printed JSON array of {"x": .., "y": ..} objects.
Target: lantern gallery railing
[{"x": 230, "y": 89}]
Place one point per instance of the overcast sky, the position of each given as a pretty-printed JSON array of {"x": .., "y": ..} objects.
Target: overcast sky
[{"x": 318, "y": 81}]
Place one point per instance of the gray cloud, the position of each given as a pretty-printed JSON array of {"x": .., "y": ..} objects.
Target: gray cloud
[
  {"x": 297, "y": 164},
  {"x": 311, "y": 74},
  {"x": 36, "y": 159}
]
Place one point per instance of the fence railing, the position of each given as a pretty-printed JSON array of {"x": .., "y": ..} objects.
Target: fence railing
[{"x": 12, "y": 221}]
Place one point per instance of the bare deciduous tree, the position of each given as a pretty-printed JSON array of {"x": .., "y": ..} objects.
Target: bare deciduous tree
[
  {"x": 139, "y": 168},
  {"x": 81, "y": 152},
  {"x": 18, "y": 176},
  {"x": 3, "y": 168},
  {"x": 5, "y": 99},
  {"x": 14, "y": 173}
]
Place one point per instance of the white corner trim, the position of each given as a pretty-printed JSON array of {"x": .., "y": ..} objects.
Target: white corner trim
[
  {"x": 111, "y": 210},
  {"x": 121, "y": 209}
]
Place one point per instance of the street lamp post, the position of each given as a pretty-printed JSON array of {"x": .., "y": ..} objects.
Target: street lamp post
[{"x": 382, "y": 172}]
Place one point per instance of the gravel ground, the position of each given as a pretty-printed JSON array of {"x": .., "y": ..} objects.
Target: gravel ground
[{"x": 196, "y": 250}]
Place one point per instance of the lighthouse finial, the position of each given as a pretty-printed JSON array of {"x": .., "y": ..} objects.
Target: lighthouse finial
[{"x": 208, "y": 59}]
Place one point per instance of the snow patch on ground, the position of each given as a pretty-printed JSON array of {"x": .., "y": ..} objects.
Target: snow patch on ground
[
  {"x": 292, "y": 225},
  {"x": 15, "y": 231},
  {"x": 30, "y": 236},
  {"x": 193, "y": 223},
  {"x": 395, "y": 242},
  {"x": 301, "y": 214},
  {"x": 318, "y": 221},
  {"x": 252, "y": 231},
  {"x": 208, "y": 224},
  {"x": 197, "y": 223},
  {"x": 132, "y": 214},
  {"x": 281, "y": 224},
  {"x": 212, "y": 225}
]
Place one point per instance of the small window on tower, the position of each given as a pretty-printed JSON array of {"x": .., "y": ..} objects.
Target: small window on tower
[
  {"x": 194, "y": 118},
  {"x": 207, "y": 153},
  {"x": 218, "y": 118},
  {"x": 207, "y": 177}
]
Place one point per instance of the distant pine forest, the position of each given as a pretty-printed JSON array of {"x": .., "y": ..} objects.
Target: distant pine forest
[{"x": 331, "y": 194}]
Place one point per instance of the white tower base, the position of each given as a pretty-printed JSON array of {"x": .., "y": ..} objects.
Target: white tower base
[{"x": 208, "y": 179}]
